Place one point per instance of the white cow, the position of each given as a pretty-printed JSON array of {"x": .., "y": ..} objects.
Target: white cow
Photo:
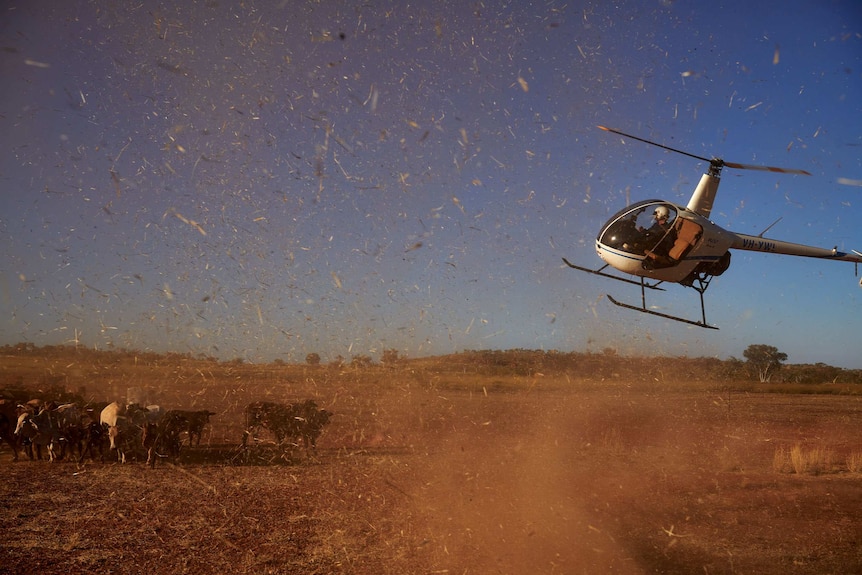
[
  {"x": 123, "y": 432},
  {"x": 110, "y": 414}
]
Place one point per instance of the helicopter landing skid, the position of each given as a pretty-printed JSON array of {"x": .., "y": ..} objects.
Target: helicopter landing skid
[
  {"x": 600, "y": 272},
  {"x": 698, "y": 282},
  {"x": 659, "y": 314}
]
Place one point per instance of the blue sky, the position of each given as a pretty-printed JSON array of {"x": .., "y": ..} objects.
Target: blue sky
[{"x": 264, "y": 180}]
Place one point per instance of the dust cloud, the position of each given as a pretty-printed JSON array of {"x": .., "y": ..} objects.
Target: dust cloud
[{"x": 513, "y": 484}]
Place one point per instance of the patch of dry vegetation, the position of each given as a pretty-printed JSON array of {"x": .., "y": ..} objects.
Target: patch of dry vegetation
[
  {"x": 439, "y": 466},
  {"x": 854, "y": 462},
  {"x": 800, "y": 460}
]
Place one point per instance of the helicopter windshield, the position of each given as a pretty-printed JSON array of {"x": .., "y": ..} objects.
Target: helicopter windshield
[{"x": 645, "y": 226}]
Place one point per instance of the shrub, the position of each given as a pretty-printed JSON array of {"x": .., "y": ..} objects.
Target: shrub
[
  {"x": 781, "y": 460},
  {"x": 854, "y": 462},
  {"x": 815, "y": 461}
]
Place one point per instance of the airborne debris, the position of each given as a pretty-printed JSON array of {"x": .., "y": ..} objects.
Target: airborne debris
[
  {"x": 849, "y": 182},
  {"x": 185, "y": 220},
  {"x": 116, "y": 180}
]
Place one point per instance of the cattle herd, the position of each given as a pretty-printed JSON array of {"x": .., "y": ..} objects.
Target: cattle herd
[{"x": 98, "y": 430}]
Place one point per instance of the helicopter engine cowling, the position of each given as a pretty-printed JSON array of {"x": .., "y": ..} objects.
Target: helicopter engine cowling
[
  {"x": 717, "y": 267},
  {"x": 706, "y": 270}
]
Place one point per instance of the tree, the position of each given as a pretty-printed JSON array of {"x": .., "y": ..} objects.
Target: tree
[
  {"x": 312, "y": 358},
  {"x": 390, "y": 357},
  {"x": 360, "y": 361},
  {"x": 733, "y": 368},
  {"x": 764, "y": 359}
]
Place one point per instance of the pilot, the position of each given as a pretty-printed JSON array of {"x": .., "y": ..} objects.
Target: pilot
[
  {"x": 646, "y": 238},
  {"x": 660, "y": 224},
  {"x": 658, "y": 239}
]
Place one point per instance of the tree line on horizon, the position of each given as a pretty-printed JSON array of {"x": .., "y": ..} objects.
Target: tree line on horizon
[{"x": 762, "y": 363}]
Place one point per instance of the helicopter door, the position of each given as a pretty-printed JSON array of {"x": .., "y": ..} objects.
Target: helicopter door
[
  {"x": 687, "y": 235},
  {"x": 674, "y": 245}
]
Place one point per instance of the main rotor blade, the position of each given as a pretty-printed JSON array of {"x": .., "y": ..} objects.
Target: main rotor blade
[
  {"x": 765, "y": 168},
  {"x": 716, "y": 162},
  {"x": 655, "y": 144}
]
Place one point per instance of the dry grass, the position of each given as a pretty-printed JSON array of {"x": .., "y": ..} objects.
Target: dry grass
[
  {"x": 781, "y": 460},
  {"x": 801, "y": 461},
  {"x": 854, "y": 462}
]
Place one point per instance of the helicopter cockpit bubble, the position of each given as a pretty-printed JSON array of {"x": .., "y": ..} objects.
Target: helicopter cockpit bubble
[{"x": 638, "y": 227}]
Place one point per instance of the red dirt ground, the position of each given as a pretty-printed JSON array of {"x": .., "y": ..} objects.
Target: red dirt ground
[{"x": 560, "y": 478}]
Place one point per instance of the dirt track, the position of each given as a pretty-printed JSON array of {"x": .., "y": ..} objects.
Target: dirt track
[{"x": 594, "y": 480}]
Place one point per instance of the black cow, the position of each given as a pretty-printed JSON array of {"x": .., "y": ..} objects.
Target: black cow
[
  {"x": 287, "y": 422},
  {"x": 311, "y": 421},
  {"x": 193, "y": 423},
  {"x": 162, "y": 439},
  {"x": 39, "y": 431},
  {"x": 70, "y": 421},
  {"x": 94, "y": 437},
  {"x": 8, "y": 422},
  {"x": 274, "y": 417}
]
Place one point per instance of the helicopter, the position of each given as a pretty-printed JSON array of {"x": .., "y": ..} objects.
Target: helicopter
[{"x": 660, "y": 241}]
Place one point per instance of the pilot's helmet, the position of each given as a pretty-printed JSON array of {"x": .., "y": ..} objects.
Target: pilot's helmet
[{"x": 661, "y": 213}]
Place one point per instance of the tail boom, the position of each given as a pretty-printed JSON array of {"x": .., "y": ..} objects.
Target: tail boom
[{"x": 761, "y": 244}]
